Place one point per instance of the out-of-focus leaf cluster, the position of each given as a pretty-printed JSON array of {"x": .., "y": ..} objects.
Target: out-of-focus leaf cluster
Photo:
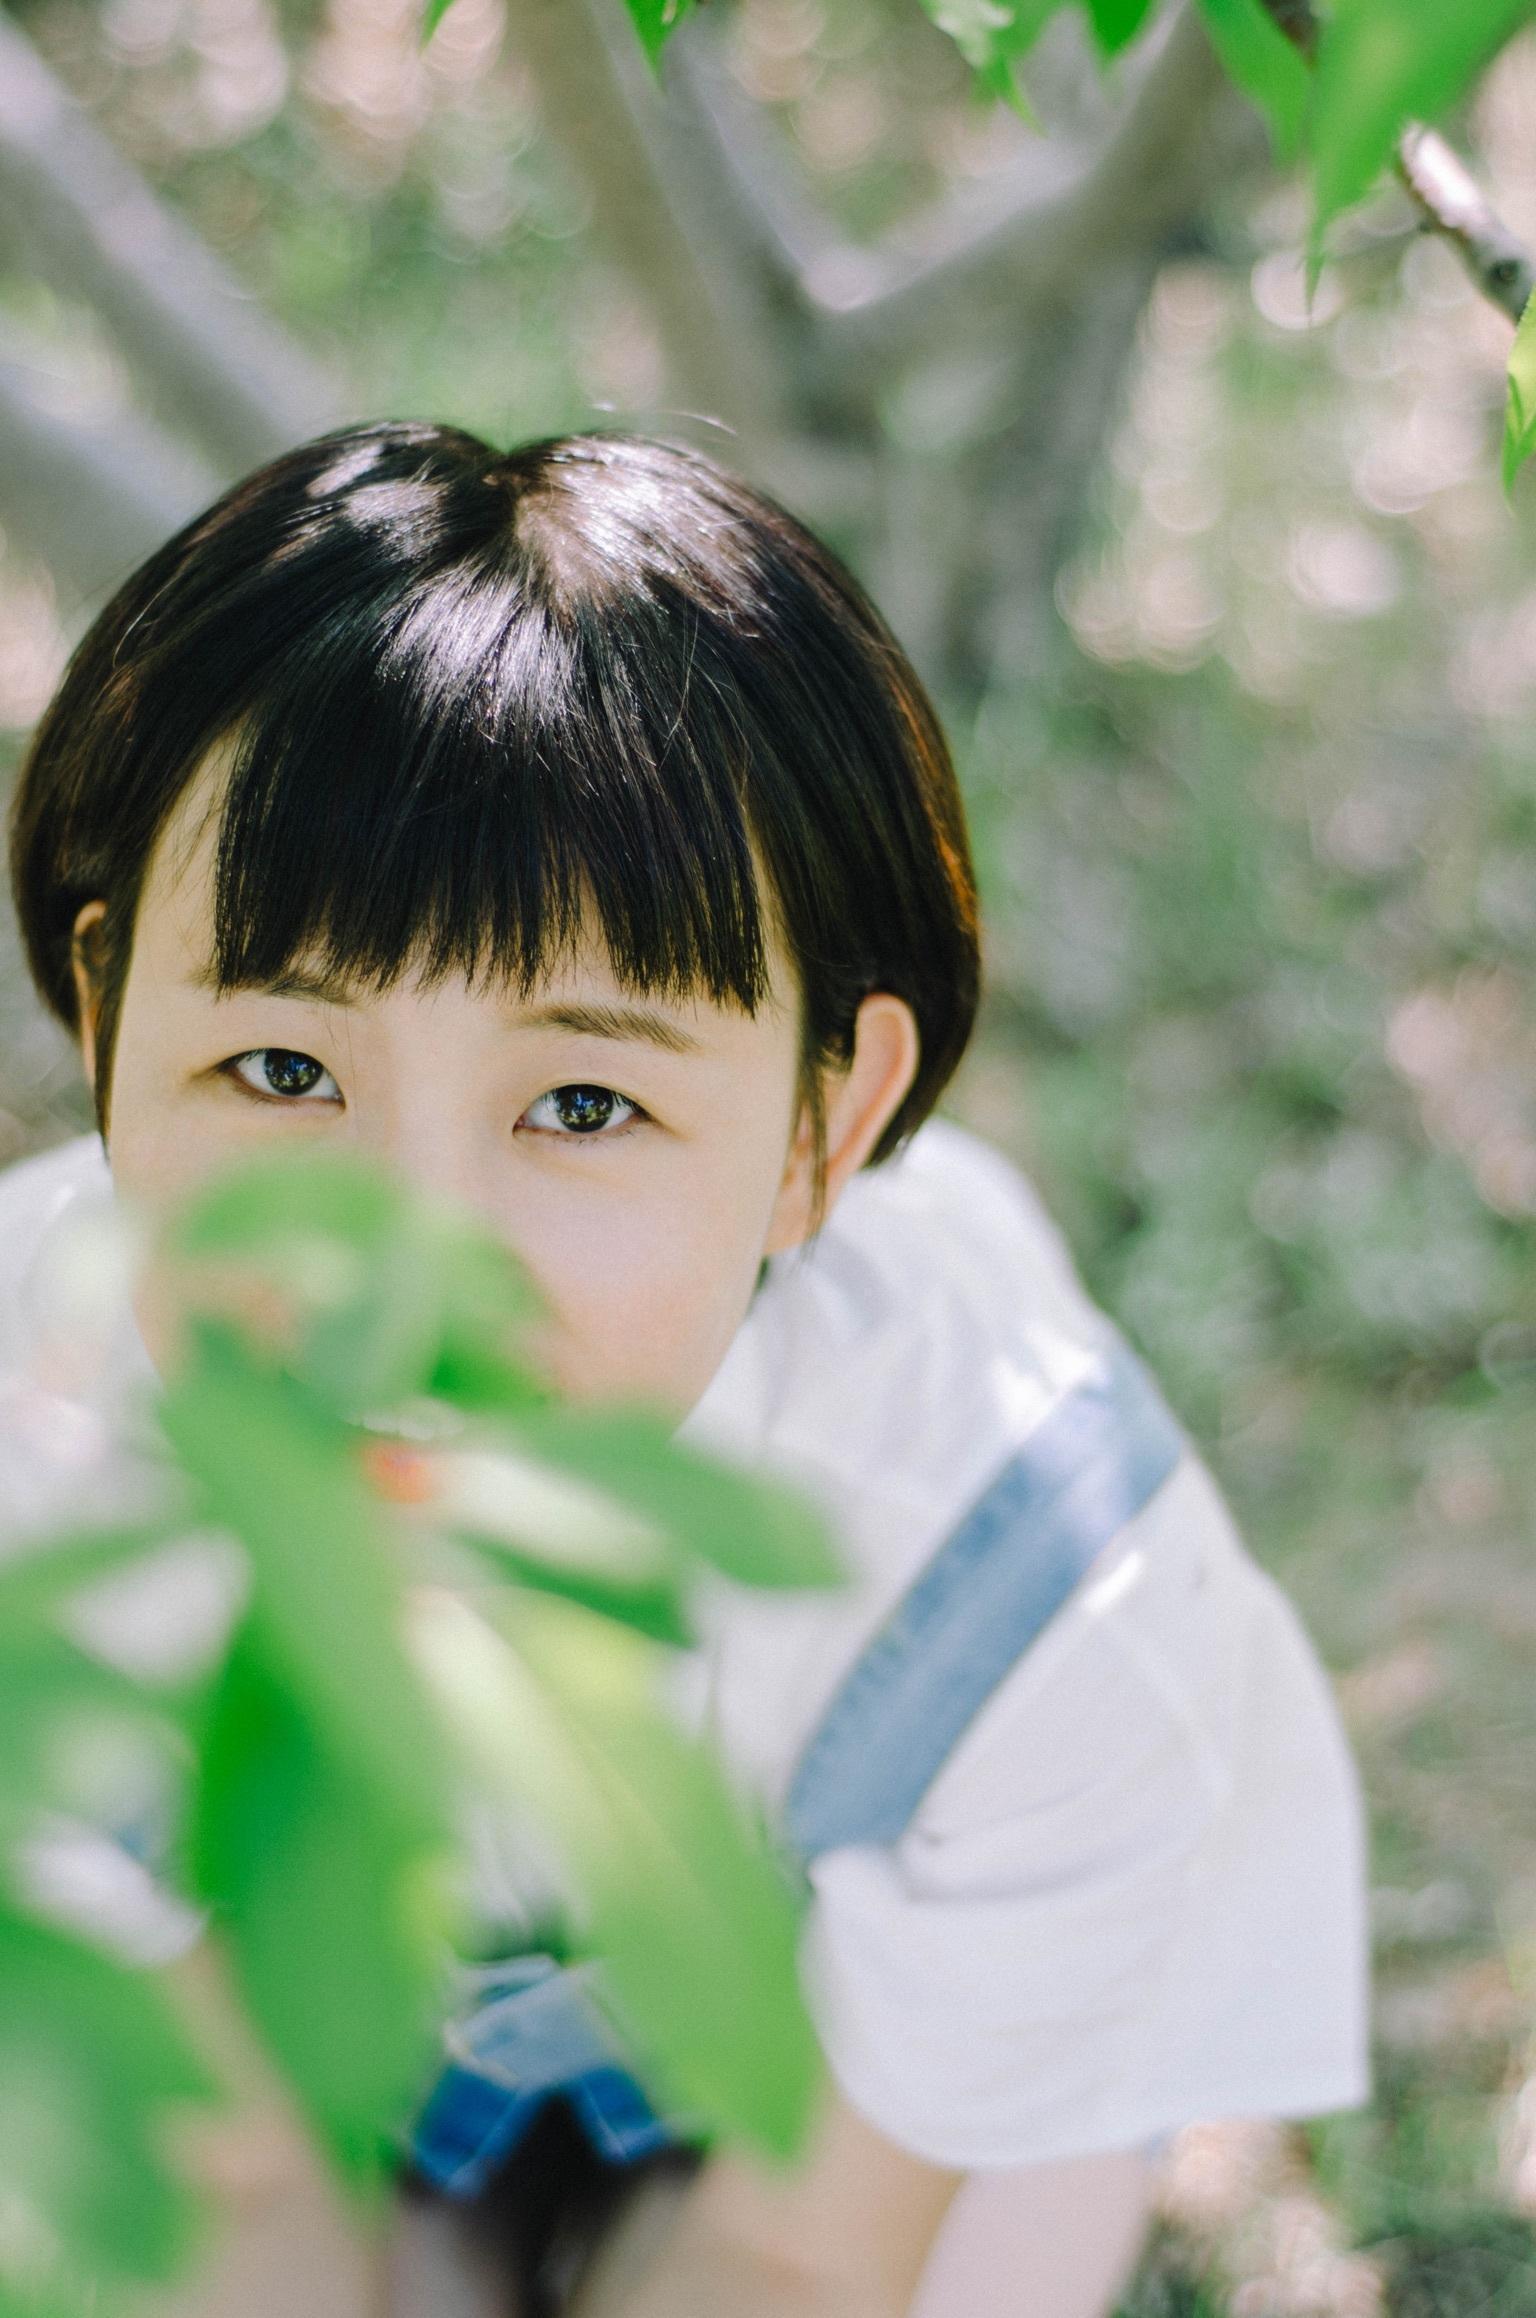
[
  {"x": 1258, "y": 876},
  {"x": 453, "y": 1582},
  {"x": 1341, "y": 85}
]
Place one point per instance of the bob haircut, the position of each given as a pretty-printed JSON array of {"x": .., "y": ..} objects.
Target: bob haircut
[{"x": 467, "y": 695}]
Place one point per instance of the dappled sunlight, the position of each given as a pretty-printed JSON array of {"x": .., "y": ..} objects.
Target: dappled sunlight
[{"x": 1469, "y": 1052}]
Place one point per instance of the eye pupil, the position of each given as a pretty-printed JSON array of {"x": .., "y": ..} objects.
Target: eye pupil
[
  {"x": 288, "y": 1073},
  {"x": 584, "y": 1108}
]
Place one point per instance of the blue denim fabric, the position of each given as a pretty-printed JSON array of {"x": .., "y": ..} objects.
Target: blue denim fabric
[
  {"x": 991, "y": 1588},
  {"x": 528, "y": 2029},
  {"x": 996, "y": 1581}
]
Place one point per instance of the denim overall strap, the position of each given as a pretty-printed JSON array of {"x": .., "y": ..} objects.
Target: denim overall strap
[
  {"x": 995, "y": 1582},
  {"x": 998, "y": 1578}
]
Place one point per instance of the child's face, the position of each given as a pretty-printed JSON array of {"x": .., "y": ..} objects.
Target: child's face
[{"x": 640, "y": 1178}]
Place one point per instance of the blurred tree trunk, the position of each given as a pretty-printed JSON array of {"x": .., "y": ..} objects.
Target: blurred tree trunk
[
  {"x": 939, "y": 413},
  {"x": 93, "y": 489},
  {"x": 937, "y": 410}
]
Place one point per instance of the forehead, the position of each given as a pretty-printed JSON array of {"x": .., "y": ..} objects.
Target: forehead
[{"x": 176, "y": 928}]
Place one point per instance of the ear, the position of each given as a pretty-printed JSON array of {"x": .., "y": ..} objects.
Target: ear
[
  {"x": 861, "y": 1100},
  {"x": 84, "y": 948}
]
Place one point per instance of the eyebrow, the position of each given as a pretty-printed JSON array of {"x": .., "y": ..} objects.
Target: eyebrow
[{"x": 625, "y": 1025}]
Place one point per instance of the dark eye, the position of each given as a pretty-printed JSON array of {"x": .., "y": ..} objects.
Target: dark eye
[
  {"x": 585, "y": 1111},
  {"x": 278, "y": 1071}
]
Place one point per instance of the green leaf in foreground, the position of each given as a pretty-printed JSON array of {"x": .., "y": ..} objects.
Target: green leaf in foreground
[
  {"x": 655, "y": 21},
  {"x": 693, "y": 1919},
  {"x": 652, "y": 1607},
  {"x": 1265, "y": 65},
  {"x": 756, "y": 1531},
  {"x": 56, "y": 2297},
  {"x": 432, "y": 16},
  {"x": 607, "y": 1509},
  {"x": 92, "y": 2064},
  {"x": 386, "y": 1291},
  {"x": 50, "y": 1694},
  {"x": 994, "y": 37},
  {"x": 36, "y": 1582},
  {"x": 285, "y": 1479},
  {"x": 1520, "y": 406},
  {"x": 1117, "y": 22},
  {"x": 332, "y": 1893},
  {"x": 1383, "y": 63}
]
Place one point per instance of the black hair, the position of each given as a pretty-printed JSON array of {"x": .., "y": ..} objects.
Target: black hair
[{"x": 466, "y": 695}]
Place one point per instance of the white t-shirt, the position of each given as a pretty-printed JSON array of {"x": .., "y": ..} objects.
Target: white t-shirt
[{"x": 1134, "y": 1896}]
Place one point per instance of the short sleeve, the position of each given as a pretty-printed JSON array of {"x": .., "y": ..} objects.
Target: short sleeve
[{"x": 987, "y": 1990}]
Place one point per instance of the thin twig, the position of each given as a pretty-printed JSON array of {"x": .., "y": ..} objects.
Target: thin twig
[
  {"x": 213, "y": 363},
  {"x": 1456, "y": 205},
  {"x": 1447, "y": 195}
]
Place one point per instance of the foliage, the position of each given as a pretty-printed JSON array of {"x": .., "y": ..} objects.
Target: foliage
[
  {"x": 1344, "y": 90},
  {"x": 1379, "y": 64},
  {"x": 1383, "y": 63},
  {"x": 1258, "y": 868},
  {"x": 1520, "y": 410},
  {"x": 344, "y": 1354},
  {"x": 1265, "y": 65}
]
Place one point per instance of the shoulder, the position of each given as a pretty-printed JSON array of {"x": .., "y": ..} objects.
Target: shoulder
[
  {"x": 36, "y": 1194},
  {"x": 33, "y": 1189},
  {"x": 919, "y": 1338},
  {"x": 70, "y": 1355},
  {"x": 67, "y": 1324},
  {"x": 948, "y": 1170},
  {"x": 970, "y": 1423}
]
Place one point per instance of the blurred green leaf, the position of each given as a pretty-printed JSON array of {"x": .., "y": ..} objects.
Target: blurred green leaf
[
  {"x": 35, "y": 1583},
  {"x": 1520, "y": 405},
  {"x": 332, "y": 1890},
  {"x": 994, "y": 37},
  {"x": 759, "y": 1532},
  {"x": 49, "y": 1691},
  {"x": 1117, "y": 22},
  {"x": 332, "y": 1236},
  {"x": 53, "y": 2297},
  {"x": 655, "y": 1609},
  {"x": 693, "y": 1919},
  {"x": 432, "y": 16},
  {"x": 396, "y": 1297},
  {"x": 1382, "y": 63},
  {"x": 286, "y": 1480},
  {"x": 91, "y": 2060},
  {"x": 487, "y": 1298},
  {"x": 1265, "y": 66},
  {"x": 656, "y": 21}
]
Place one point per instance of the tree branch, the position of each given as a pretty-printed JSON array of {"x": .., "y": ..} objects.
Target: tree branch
[
  {"x": 1446, "y": 194},
  {"x": 593, "y": 106},
  {"x": 207, "y": 356},
  {"x": 90, "y": 498},
  {"x": 964, "y": 238},
  {"x": 1453, "y": 202},
  {"x": 736, "y": 168},
  {"x": 1080, "y": 210}
]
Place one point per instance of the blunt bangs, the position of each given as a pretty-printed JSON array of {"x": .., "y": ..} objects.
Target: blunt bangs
[
  {"x": 454, "y": 785},
  {"x": 465, "y": 702}
]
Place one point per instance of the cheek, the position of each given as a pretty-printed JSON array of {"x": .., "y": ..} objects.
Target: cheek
[
  {"x": 645, "y": 1305},
  {"x": 154, "y": 1141},
  {"x": 159, "y": 1148}
]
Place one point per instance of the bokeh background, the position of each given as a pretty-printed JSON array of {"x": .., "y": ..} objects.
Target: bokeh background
[{"x": 1235, "y": 637}]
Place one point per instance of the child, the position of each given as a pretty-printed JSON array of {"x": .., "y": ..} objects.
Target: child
[{"x": 566, "y": 829}]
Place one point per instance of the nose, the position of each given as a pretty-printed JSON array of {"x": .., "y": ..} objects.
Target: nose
[{"x": 436, "y": 1156}]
